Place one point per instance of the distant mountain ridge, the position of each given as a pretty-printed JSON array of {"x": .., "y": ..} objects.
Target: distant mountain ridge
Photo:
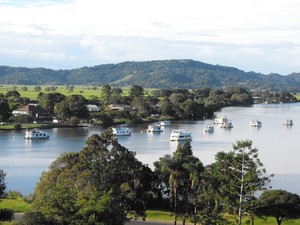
[{"x": 185, "y": 73}]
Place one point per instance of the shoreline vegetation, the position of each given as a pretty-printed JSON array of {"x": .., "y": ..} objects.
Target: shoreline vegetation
[{"x": 164, "y": 104}]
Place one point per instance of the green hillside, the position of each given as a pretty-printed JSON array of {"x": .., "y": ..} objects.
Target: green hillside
[{"x": 152, "y": 74}]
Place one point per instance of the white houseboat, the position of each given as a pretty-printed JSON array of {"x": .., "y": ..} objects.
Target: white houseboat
[
  {"x": 226, "y": 124},
  {"x": 121, "y": 131},
  {"x": 36, "y": 134},
  {"x": 165, "y": 123},
  {"x": 180, "y": 135},
  {"x": 255, "y": 123},
  {"x": 154, "y": 127},
  {"x": 209, "y": 129},
  {"x": 220, "y": 120}
]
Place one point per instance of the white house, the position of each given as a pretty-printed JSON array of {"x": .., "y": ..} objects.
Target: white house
[{"x": 93, "y": 108}]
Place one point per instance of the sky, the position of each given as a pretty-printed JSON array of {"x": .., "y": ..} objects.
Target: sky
[{"x": 252, "y": 35}]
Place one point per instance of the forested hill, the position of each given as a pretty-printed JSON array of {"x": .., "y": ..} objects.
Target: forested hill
[{"x": 152, "y": 74}]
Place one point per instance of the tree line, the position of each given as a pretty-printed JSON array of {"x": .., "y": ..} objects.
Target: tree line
[
  {"x": 138, "y": 104},
  {"x": 105, "y": 184}
]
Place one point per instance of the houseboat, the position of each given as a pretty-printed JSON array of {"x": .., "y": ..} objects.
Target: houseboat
[
  {"x": 220, "y": 120},
  {"x": 165, "y": 123},
  {"x": 36, "y": 134},
  {"x": 180, "y": 135},
  {"x": 208, "y": 129},
  {"x": 226, "y": 124},
  {"x": 121, "y": 131},
  {"x": 255, "y": 123},
  {"x": 154, "y": 127}
]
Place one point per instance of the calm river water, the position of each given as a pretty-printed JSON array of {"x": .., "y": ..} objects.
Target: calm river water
[{"x": 278, "y": 145}]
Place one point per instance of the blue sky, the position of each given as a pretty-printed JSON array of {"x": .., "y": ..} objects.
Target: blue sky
[{"x": 252, "y": 35}]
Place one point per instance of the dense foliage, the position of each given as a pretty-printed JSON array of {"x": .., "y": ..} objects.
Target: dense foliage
[
  {"x": 187, "y": 74},
  {"x": 101, "y": 184},
  {"x": 240, "y": 175},
  {"x": 280, "y": 204},
  {"x": 135, "y": 107}
]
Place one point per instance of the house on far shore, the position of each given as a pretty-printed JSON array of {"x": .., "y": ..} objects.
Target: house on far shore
[
  {"x": 119, "y": 107},
  {"x": 93, "y": 108},
  {"x": 32, "y": 109}
]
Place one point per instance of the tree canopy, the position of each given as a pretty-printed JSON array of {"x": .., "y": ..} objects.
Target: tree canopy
[
  {"x": 240, "y": 174},
  {"x": 280, "y": 204},
  {"x": 99, "y": 185}
]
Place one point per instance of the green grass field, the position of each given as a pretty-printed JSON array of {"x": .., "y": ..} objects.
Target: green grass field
[
  {"x": 18, "y": 205},
  {"x": 86, "y": 91},
  {"x": 167, "y": 216}
]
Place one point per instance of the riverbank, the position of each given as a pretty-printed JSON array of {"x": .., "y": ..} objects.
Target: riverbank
[
  {"x": 50, "y": 125},
  {"x": 24, "y": 126}
]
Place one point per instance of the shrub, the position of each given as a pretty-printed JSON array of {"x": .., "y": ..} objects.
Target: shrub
[
  {"x": 13, "y": 195},
  {"x": 36, "y": 218},
  {"x": 6, "y": 215}
]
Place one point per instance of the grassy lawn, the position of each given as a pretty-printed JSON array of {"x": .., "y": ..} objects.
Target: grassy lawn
[
  {"x": 159, "y": 215},
  {"x": 297, "y": 96},
  {"x": 167, "y": 216},
  {"x": 10, "y": 126},
  {"x": 17, "y": 205}
]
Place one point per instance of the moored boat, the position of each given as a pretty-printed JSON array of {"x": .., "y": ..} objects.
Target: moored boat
[
  {"x": 165, "y": 123},
  {"x": 180, "y": 135},
  {"x": 154, "y": 127},
  {"x": 220, "y": 120},
  {"x": 36, "y": 134},
  {"x": 288, "y": 122},
  {"x": 255, "y": 123},
  {"x": 121, "y": 131},
  {"x": 209, "y": 129},
  {"x": 226, "y": 124}
]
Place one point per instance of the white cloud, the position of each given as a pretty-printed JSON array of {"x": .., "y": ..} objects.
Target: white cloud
[{"x": 250, "y": 34}]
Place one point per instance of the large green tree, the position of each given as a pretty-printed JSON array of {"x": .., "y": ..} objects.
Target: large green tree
[
  {"x": 136, "y": 91},
  {"x": 5, "y": 111},
  {"x": 48, "y": 101},
  {"x": 72, "y": 106},
  {"x": 280, "y": 204},
  {"x": 179, "y": 173},
  {"x": 241, "y": 175},
  {"x": 99, "y": 185}
]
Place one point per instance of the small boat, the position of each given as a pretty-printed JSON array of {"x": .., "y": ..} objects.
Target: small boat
[
  {"x": 180, "y": 135},
  {"x": 220, "y": 120},
  {"x": 36, "y": 134},
  {"x": 288, "y": 122},
  {"x": 255, "y": 123},
  {"x": 155, "y": 127},
  {"x": 165, "y": 123},
  {"x": 209, "y": 129},
  {"x": 121, "y": 131},
  {"x": 226, "y": 124}
]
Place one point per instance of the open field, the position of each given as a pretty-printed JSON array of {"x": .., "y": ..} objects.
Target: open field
[
  {"x": 86, "y": 91},
  {"x": 17, "y": 205}
]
